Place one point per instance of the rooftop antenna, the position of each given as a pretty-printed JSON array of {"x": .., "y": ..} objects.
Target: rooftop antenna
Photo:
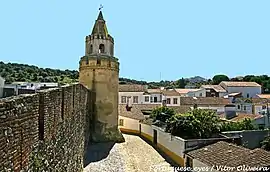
[{"x": 100, "y": 7}]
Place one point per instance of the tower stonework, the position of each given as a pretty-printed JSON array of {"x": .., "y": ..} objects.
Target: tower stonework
[{"x": 99, "y": 72}]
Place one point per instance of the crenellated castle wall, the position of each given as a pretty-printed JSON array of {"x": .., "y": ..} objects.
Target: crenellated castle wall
[{"x": 47, "y": 131}]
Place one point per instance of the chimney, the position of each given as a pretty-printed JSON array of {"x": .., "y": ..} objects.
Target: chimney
[{"x": 230, "y": 111}]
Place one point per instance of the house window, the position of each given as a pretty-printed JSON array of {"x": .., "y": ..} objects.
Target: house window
[
  {"x": 239, "y": 107},
  {"x": 121, "y": 122},
  {"x": 155, "y": 99},
  {"x": 247, "y": 95},
  {"x": 200, "y": 94},
  {"x": 174, "y": 100},
  {"x": 146, "y": 99},
  {"x": 135, "y": 99},
  {"x": 263, "y": 107},
  {"x": 245, "y": 108},
  {"x": 123, "y": 99},
  {"x": 168, "y": 101}
]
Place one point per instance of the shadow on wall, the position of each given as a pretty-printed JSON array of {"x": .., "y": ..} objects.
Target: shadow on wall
[{"x": 97, "y": 152}]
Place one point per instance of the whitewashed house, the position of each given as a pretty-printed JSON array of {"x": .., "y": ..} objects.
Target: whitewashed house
[
  {"x": 213, "y": 103},
  {"x": 172, "y": 97},
  {"x": 155, "y": 95},
  {"x": 247, "y": 89},
  {"x": 214, "y": 90},
  {"x": 2, "y": 83},
  {"x": 191, "y": 92},
  {"x": 133, "y": 94}
]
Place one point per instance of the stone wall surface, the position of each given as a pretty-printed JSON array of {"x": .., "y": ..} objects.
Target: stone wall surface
[
  {"x": 47, "y": 131},
  {"x": 103, "y": 80}
]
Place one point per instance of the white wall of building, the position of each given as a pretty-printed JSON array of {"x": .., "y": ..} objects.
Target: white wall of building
[
  {"x": 131, "y": 95},
  {"x": 128, "y": 123},
  {"x": 199, "y": 93},
  {"x": 251, "y": 91},
  {"x": 172, "y": 100},
  {"x": 219, "y": 109},
  {"x": 147, "y": 129},
  {"x": 243, "y": 107},
  {"x": 172, "y": 143},
  {"x": 222, "y": 94},
  {"x": 158, "y": 98},
  {"x": 2, "y": 83}
]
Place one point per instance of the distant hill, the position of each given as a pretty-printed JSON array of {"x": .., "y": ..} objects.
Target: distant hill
[
  {"x": 29, "y": 73},
  {"x": 196, "y": 79}
]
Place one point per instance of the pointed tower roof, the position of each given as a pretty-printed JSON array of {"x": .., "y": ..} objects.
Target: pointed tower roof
[
  {"x": 100, "y": 16},
  {"x": 100, "y": 26}
]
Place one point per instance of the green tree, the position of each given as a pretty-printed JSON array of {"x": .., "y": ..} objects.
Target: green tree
[
  {"x": 198, "y": 123},
  {"x": 181, "y": 83},
  {"x": 162, "y": 113},
  {"x": 245, "y": 124},
  {"x": 219, "y": 78}
]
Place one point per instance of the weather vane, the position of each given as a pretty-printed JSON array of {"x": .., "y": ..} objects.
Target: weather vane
[{"x": 101, "y": 6}]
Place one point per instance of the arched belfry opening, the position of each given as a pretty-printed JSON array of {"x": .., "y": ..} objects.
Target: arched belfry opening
[{"x": 101, "y": 48}]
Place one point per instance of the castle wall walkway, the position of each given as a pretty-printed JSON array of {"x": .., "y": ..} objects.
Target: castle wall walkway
[{"x": 134, "y": 155}]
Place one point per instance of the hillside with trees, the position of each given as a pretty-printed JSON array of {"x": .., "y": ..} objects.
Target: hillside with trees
[{"x": 29, "y": 73}]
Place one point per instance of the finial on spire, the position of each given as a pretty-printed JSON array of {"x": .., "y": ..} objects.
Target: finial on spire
[{"x": 100, "y": 7}]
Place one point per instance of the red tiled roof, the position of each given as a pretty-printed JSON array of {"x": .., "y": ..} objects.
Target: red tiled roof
[
  {"x": 136, "y": 110},
  {"x": 239, "y": 84},
  {"x": 264, "y": 96},
  {"x": 185, "y": 90},
  {"x": 242, "y": 116},
  {"x": 223, "y": 153},
  {"x": 171, "y": 92},
  {"x": 217, "y": 88},
  {"x": 132, "y": 88},
  {"x": 204, "y": 101}
]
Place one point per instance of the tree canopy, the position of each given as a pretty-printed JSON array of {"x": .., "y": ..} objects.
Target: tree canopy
[
  {"x": 198, "y": 123},
  {"x": 162, "y": 113},
  {"x": 219, "y": 78}
]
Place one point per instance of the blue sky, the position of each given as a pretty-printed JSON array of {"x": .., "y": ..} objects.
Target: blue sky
[{"x": 176, "y": 38}]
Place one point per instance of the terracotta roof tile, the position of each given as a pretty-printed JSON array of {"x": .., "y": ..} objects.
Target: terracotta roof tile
[
  {"x": 264, "y": 96},
  {"x": 242, "y": 116},
  {"x": 171, "y": 92},
  {"x": 136, "y": 110},
  {"x": 217, "y": 88},
  {"x": 204, "y": 101},
  {"x": 185, "y": 90},
  {"x": 223, "y": 153},
  {"x": 239, "y": 84},
  {"x": 154, "y": 91},
  {"x": 132, "y": 88}
]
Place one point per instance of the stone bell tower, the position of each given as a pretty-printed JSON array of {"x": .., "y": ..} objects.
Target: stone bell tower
[{"x": 99, "y": 72}]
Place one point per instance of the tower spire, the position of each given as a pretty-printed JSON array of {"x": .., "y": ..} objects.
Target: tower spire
[{"x": 100, "y": 16}]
